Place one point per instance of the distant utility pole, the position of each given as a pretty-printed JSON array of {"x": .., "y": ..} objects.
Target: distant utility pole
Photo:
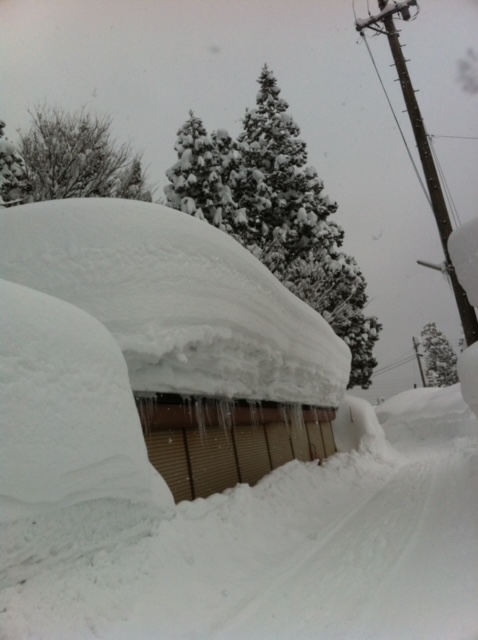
[
  {"x": 387, "y": 10},
  {"x": 415, "y": 346}
]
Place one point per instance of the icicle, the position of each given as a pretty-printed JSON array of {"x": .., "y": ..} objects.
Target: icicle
[
  {"x": 188, "y": 407},
  {"x": 316, "y": 415},
  {"x": 225, "y": 412},
  {"x": 284, "y": 411},
  {"x": 199, "y": 410},
  {"x": 298, "y": 417},
  {"x": 253, "y": 406}
]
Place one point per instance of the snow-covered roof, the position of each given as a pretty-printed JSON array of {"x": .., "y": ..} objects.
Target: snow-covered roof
[{"x": 192, "y": 310}]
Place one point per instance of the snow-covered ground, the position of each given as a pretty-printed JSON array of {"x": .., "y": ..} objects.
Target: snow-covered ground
[{"x": 369, "y": 545}]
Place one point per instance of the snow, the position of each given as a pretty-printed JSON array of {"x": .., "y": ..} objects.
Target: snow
[
  {"x": 74, "y": 472},
  {"x": 463, "y": 248},
  {"x": 192, "y": 310},
  {"x": 360, "y": 547},
  {"x": 356, "y": 428}
]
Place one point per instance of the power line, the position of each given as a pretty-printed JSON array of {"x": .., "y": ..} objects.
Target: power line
[
  {"x": 451, "y": 202},
  {"x": 424, "y": 189},
  {"x": 392, "y": 367}
]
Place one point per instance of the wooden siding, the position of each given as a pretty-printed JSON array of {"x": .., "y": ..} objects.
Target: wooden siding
[
  {"x": 279, "y": 444},
  {"x": 300, "y": 443},
  {"x": 167, "y": 454},
  {"x": 328, "y": 438},
  {"x": 213, "y": 461},
  {"x": 317, "y": 448},
  {"x": 252, "y": 453},
  {"x": 246, "y": 446}
]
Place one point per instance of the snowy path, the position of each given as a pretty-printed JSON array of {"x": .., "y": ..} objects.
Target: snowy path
[
  {"x": 410, "y": 543},
  {"x": 361, "y": 548}
]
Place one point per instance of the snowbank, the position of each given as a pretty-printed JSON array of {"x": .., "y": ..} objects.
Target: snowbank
[
  {"x": 192, "y": 310},
  {"x": 426, "y": 414},
  {"x": 73, "y": 463},
  {"x": 463, "y": 248},
  {"x": 468, "y": 374},
  {"x": 356, "y": 428}
]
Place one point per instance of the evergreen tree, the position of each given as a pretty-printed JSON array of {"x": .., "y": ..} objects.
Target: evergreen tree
[
  {"x": 440, "y": 358},
  {"x": 259, "y": 189},
  {"x": 132, "y": 183},
  {"x": 14, "y": 185},
  {"x": 195, "y": 185}
]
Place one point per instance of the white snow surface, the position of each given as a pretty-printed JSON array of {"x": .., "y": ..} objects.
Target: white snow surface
[
  {"x": 356, "y": 428},
  {"x": 74, "y": 471},
  {"x": 192, "y": 310},
  {"x": 463, "y": 248},
  {"x": 362, "y": 547}
]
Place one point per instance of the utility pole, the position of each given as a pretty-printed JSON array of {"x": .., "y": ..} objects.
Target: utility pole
[
  {"x": 415, "y": 346},
  {"x": 387, "y": 10}
]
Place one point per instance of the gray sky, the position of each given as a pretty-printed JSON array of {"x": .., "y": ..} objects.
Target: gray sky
[{"x": 147, "y": 62}]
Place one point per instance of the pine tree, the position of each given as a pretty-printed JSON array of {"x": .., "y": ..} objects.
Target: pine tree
[
  {"x": 131, "y": 183},
  {"x": 14, "y": 185},
  {"x": 195, "y": 179},
  {"x": 440, "y": 358},
  {"x": 289, "y": 227},
  {"x": 259, "y": 189}
]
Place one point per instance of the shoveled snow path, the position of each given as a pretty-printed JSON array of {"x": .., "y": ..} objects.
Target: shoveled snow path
[{"x": 374, "y": 572}]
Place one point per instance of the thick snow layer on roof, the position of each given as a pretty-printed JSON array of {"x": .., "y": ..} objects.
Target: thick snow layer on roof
[
  {"x": 71, "y": 448},
  {"x": 192, "y": 310},
  {"x": 463, "y": 248}
]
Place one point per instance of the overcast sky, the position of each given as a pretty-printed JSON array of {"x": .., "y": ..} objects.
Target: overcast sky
[{"x": 147, "y": 62}]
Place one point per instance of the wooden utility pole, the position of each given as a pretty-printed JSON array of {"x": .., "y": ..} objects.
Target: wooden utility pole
[
  {"x": 415, "y": 346},
  {"x": 466, "y": 311}
]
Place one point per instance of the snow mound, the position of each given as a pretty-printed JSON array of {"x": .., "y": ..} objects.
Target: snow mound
[
  {"x": 74, "y": 471},
  {"x": 468, "y": 374},
  {"x": 463, "y": 247},
  {"x": 356, "y": 428},
  {"x": 426, "y": 414},
  {"x": 192, "y": 310}
]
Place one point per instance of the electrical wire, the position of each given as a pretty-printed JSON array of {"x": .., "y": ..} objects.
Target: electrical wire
[
  {"x": 383, "y": 370},
  {"x": 449, "y": 197},
  {"x": 420, "y": 180}
]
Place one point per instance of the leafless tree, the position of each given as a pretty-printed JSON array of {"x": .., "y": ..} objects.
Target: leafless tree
[{"x": 71, "y": 155}]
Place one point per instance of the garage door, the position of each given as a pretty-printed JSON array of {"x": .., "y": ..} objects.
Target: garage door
[
  {"x": 300, "y": 443},
  {"x": 167, "y": 453},
  {"x": 317, "y": 448},
  {"x": 252, "y": 454},
  {"x": 328, "y": 437},
  {"x": 279, "y": 444},
  {"x": 213, "y": 461}
]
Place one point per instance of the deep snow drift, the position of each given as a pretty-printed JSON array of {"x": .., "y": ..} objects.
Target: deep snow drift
[
  {"x": 192, "y": 310},
  {"x": 463, "y": 248},
  {"x": 362, "y": 547},
  {"x": 74, "y": 472}
]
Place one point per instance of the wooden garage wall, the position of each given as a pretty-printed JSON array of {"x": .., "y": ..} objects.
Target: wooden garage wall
[{"x": 199, "y": 453}]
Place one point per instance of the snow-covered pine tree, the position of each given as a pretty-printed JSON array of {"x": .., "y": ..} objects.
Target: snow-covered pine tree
[
  {"x": 263, "y": 194},
  {"x": 289, "y": 228},
  {"x": 14, "y": 186},
  {"x": 440, "y": 358},
  {"x": 195, "y": 185},
  {"x": 131, "y": 183}
]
